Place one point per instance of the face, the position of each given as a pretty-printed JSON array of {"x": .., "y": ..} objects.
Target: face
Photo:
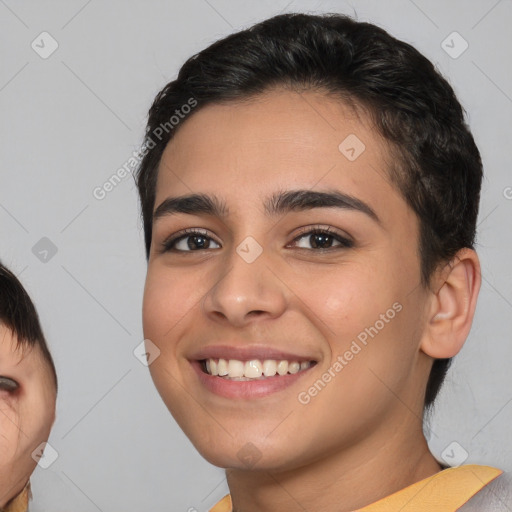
[
  {"x": 256, "y": 283},
  {"x": 27, "y": 412}
]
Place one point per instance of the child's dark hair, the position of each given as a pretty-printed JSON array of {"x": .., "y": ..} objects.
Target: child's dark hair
[
  {"x": 436, "y": 164},
  {"x": 17, "y": 313}
]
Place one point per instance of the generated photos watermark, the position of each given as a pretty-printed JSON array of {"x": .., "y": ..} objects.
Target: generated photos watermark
[
  {"x": 342, "y": 360},
  {"x": 101, "y": 191}
]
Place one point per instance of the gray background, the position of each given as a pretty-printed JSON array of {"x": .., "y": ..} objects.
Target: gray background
[{"x": 69, "y": 121}]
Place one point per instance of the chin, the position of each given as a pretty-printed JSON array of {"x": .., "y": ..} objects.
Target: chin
[{"x": 246, "y": 455}]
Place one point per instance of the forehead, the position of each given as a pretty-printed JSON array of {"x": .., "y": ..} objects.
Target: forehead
[
  {"x": 10, "y": 348},
  {"x": 16, "y": 355},
  {"x": 243, "y": 151}
]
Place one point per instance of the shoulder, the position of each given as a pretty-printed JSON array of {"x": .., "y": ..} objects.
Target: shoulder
[
  {"x": 496, "y": 496},
  {"x": 499, "y": 492},
  {"x": 20, "y": 502}
]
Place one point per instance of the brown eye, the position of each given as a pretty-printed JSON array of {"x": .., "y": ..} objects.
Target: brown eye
[
  {"x": 8, "y": 384},
  {"x": 317, "y": 237},
  {"x": 200, "y": 241}
]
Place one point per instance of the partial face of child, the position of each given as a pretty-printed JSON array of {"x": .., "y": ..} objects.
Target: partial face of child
[
  {"x": 27, "y": 412},
  {"x": 256, "y": 285}
]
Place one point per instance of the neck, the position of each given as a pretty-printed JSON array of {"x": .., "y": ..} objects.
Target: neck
[{"x": 344, "y": 481}]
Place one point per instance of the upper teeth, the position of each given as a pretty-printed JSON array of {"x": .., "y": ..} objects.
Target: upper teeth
[{"x": 254, "y": 368}]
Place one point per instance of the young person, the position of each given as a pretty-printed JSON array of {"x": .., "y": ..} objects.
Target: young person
[
  {"x": 309, "y": 192},
  {"x": 28, "y": 389}
]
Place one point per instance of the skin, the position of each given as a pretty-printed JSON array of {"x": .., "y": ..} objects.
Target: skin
[
  {"x": 360, "y": 438},
  {"x": 26, "y": 413}
]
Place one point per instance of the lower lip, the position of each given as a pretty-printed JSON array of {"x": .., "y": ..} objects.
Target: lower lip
[{"x": 246, "y": 388}]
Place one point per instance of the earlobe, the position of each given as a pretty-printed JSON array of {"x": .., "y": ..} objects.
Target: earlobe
[{"x": 453, "y": 304}]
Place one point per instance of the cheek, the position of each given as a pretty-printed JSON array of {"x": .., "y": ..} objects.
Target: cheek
[
  {"x": 369, "y": 315},
  {"x": 25, "y": 422},
  {"x": 349, "y": 300},
  {"x": 170, "y": 296},
  {"x": 9, "y": 419},
  {"x": 165, "y": 301},
  {"x": 37, "y": 414}
]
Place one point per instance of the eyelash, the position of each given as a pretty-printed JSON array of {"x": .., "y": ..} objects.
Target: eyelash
[{"x": 346, "y": 243}]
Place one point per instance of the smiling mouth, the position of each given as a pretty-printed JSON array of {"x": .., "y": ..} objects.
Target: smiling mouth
[{"x": 254, "y": 369}]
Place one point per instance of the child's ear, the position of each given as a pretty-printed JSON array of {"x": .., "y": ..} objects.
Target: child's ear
[{"x": 454, "y": 292}]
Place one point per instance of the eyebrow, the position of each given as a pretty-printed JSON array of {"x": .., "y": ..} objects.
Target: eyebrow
[{"x": 277, "y": 204}]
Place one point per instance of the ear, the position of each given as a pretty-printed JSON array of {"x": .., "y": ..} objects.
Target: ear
[{"x": 452, "y": 305}]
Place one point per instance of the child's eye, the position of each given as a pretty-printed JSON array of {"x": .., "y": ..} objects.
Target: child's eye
[
  {"x": 193, "y": 239},
  {"x": 7, "y": 384}
]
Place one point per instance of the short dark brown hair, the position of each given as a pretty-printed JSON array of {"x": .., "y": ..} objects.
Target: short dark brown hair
[{"x": 18, "y": 313}]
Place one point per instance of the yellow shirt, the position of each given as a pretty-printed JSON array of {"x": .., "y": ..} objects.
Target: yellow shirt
[
  {"x": 445, "y": 491},
  {"x": 20, "y": 502}
]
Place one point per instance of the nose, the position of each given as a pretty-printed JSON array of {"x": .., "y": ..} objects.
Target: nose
[{"x": 245, "y": 291}]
